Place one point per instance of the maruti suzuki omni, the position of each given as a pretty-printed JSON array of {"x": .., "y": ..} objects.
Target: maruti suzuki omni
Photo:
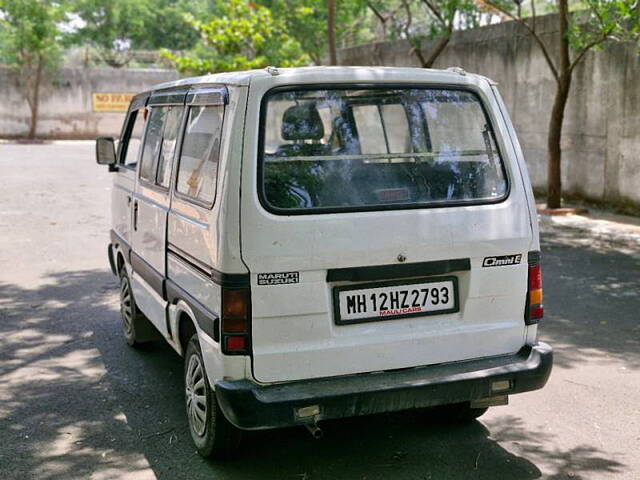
[{"x": 320, "y": 243}]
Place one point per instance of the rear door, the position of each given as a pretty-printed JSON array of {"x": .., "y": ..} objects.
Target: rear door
[
  {"x": 384, "y": 229},
  {"x": 151, "y": 204},
  {"x": 192, "y": 234}
]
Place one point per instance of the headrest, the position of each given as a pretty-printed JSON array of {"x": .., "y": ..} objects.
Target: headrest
[{"x": 302, "y": 122}]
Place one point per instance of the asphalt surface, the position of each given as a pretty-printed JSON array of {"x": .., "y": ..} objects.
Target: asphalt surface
[{"x": 76, "y": 402}]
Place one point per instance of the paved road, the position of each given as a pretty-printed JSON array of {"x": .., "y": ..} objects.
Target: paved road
[{"x": 76, "y": 402}]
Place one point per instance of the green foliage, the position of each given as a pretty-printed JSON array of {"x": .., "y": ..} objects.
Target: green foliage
[
  {"x": 598, "y": 20},
  {"x": 426, "y": 18},
  {"x": 139, "y": 24},
  {"x": 461, "y": 14},
  {"x": 30, "y": 35},
  {"x": 111, "y": 21},
  {"x": 306, "y": 21},
  {"x": 244, "y": 36},
  {"x": 168, "y": 27},
  {"x": 590, "y": 22},
  {"x": 440, "y": 18},
  {"x": 419, "y": 20}
]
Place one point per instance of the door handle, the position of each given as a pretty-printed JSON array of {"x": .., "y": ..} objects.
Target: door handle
[{"x": 135, "y": 215}]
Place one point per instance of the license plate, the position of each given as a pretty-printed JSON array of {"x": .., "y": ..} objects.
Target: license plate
[{"x": 397, "y": 299}]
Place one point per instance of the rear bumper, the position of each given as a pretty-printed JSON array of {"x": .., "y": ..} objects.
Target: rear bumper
[{"x": 252, "y": 407}]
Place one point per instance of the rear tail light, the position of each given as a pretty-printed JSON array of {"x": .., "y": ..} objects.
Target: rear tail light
[
  {"x": 534, "y": 308},
  {"x": 235, "y": 327}
]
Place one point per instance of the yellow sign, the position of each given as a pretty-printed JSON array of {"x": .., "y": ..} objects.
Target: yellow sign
[{"x": 111, "y": 102}]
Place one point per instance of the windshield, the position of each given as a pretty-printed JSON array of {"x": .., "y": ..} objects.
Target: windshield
[{"x": 366, "y": 149}]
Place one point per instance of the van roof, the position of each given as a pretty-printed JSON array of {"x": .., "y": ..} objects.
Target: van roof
[{"x": 324, "y": 74}]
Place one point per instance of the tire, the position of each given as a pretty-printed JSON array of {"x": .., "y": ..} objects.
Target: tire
[
  {"x": 136, "y": 327},
  {"x": 458, "y": 413},
  {"x": 213, "y": 435}
]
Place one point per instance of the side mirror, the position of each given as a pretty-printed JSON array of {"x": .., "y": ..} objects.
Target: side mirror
[{"x": 106, "y": 152}]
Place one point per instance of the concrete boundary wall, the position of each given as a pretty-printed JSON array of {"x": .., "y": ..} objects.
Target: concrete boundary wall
[
  {"x": 601, "y": 143},
  {"x": 66, "y": 109}
]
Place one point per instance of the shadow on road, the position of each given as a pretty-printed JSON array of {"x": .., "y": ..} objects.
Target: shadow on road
[
  {"x": 582, "y": 461},
  {"x": 592, "y": 296},
  {"x": 58, "y": 408},
  {"x": 75, "y": 400}
]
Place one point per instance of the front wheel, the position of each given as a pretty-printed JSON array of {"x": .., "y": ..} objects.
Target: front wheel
[
  {"x": 212, "y": 433},
  {"x": 128, "y": 311}
]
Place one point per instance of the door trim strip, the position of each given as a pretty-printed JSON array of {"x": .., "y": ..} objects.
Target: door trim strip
[
  {"x": 207, "y": 320},
  {"x": 388, "y": 272},
  {"x": 228, "y": 280},
  {"x": 149, "y": 274}
]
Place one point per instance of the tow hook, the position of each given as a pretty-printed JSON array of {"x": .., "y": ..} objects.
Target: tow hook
[
  {"x": 490, "y": 401},
  {"x": 315, "y": 431}
]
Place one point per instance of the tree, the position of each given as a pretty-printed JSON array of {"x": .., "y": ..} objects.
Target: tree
[
  {"x": 389, "y": 14},
  {"x": 579, "y": 33},
  {"x": 307, "y": 22},
  {"x": 116, "y": 27},
  {"x": 244, "y": 36},
  {"x": 440, "y": 17},
  {"x": 30, "y": 39},
  {"x": 167, "y": 27},
  {"x": 109, "y": 26}
]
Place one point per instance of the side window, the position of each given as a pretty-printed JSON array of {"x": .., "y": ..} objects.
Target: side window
[
  {"x": 169, "y": 141},
  {"x": 397, "y": 129},
  {"x": 370, "y": 129},
  {"x": 152, "y": 143},
  {"x": 132, "y": 138},
  {"x": 198, "y": 170},
  {"x": 383, "y": 129},
  {"x": 454, "y": 125}
]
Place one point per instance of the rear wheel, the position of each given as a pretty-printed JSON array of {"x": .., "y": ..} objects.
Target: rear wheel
[{"x": 213, "y": 435}]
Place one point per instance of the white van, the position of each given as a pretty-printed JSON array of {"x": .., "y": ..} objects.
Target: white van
[{"x": 328, "y": 242}]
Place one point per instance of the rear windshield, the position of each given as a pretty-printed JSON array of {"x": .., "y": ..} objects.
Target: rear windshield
[{"x": 367, "y": 149}]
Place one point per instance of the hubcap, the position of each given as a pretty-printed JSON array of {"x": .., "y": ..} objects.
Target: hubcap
[
  {"x": 126, "y": 307},
  {"x": 196, "y": 395}
]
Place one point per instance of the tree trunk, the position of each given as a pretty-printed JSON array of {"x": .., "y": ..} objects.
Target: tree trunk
[
  {"x": 554, "y": 172},
  {"x": 381, "y": 18},
  {"x": 554, "y": 152},
  {"x": 34, "y": 104},
  {"x": 438, "y": 48},
  {"x": 331, "y": 31},
  {"x": 435, "y": 52}
]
